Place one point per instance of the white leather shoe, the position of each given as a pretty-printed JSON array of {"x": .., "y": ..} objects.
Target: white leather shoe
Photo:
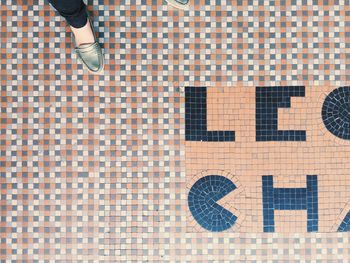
[{"x": 90, "y": 54}]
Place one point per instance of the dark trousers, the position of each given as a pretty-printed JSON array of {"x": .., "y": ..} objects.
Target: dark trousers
[{"x": 74, "y": 11}]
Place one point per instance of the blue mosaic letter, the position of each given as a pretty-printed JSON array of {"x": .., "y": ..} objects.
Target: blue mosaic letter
[
  {"x": 336, "y": 112},
  {"x": 196, "y": 118},
  {"x": 268, "y": 100},
  {"x": 202, "y": 200},
  {"x": 290, "y": 199},
  {"x": 345, "y": 225}
]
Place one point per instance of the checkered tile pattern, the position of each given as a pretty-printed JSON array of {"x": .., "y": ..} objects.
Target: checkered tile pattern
[
  {"x": 257, "y": 43},
  {"x": 52, "y": 190},
  {"x": 93, "y": 168}
]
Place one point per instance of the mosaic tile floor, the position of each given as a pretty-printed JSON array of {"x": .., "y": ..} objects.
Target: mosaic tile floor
[{"x": 216, "y": 134}]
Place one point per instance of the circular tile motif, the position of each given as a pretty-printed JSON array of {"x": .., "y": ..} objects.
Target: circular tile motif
[
  {"x": 336, "y": 112},
  {"x": 202, "y": 201}
]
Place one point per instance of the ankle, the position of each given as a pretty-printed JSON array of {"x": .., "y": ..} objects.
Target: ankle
[{"x": 83, "y": 35}]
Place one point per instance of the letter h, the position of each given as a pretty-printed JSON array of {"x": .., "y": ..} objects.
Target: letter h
[{"x": 290, "y": 199}]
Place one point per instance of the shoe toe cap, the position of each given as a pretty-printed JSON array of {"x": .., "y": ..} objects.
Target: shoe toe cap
[
  {"x": 92, "y": 59},
  {"x": 94, "y": 65}
]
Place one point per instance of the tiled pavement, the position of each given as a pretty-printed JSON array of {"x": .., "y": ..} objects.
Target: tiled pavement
[{"x": 99, "y": 168}]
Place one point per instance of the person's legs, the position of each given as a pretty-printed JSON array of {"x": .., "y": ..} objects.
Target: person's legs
[
  {"x": 74, "y": 11},
  {"x": 87, "y": 47}
]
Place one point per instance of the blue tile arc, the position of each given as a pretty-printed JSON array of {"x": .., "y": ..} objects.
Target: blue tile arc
[
  {"x": 202, "y": 200},
  {"x": 336, "y": 112}
]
